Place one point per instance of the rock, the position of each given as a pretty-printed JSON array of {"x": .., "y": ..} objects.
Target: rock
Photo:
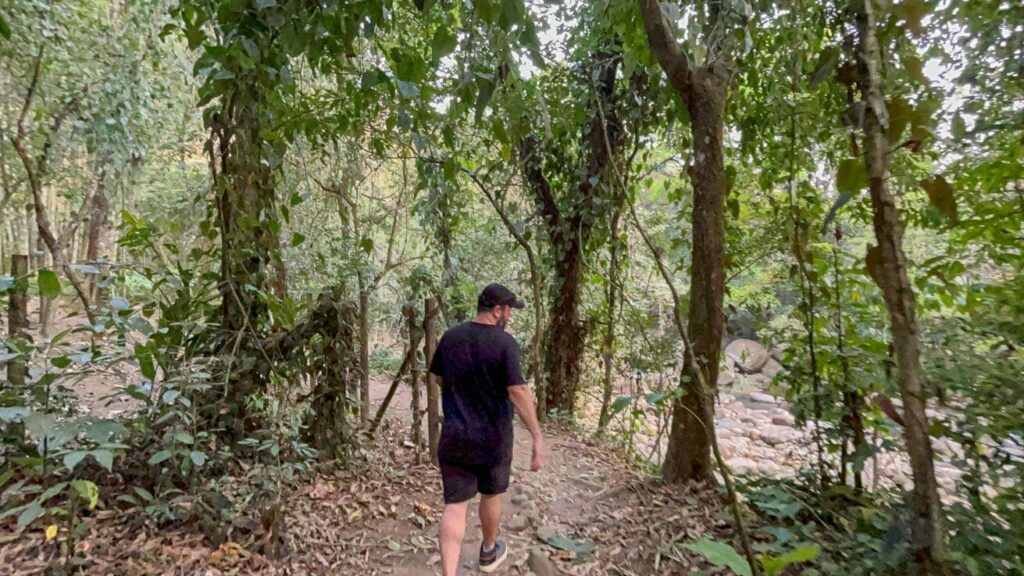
[
  {"x": 520, "y": 499},
  {"x": 742, "y": 465},
  {"x": 783, "y": 420},
  {"x": 774, "y": 435},
  {"x": 771, "y": 368},
  {"x": 546, "y": 532},
  {"x": 754, "y": 434},
  {"x": 736, "y": 407},
  {"x": 540, "y": 564},
  {"x": 762, "y": 398},
  {"x": 758, "y": 380},
  {"x": 726, "y": 378},
  {"x": 727, "y": 423},
  {"x": 726, "y": 399},
  {"x": 749, "y": 356},
  {"x": 741, "y": 324},
  {"x": 517, "y": 522}
]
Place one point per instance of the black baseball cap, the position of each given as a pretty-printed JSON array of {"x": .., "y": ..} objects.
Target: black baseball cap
[{"x": 497, "y": 295}]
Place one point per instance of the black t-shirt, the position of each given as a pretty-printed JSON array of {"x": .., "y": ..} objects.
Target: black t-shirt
[{"x": 477, "y": 363}]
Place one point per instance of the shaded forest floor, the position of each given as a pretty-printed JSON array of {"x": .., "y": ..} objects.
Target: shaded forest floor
[{"x": 378, "y": 514}]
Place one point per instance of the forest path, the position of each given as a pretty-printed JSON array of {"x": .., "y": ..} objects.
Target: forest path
[{"x": 585, "y": 492}]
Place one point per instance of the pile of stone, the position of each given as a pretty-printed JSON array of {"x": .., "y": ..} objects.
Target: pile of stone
[{"x": 750, "y": 361}]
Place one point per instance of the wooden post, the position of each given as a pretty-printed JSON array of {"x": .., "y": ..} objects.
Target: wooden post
[
  {"x": 17, "y": 315},
  {"x": 414, "y": 379},
  {"x": 430, "y": 312}
]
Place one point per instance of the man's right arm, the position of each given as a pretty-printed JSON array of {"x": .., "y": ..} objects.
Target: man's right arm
[{"x": 522, "y": 399}]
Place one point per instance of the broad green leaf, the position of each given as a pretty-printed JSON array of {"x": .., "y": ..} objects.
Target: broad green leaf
[
  {"x": 774, "y": 565},
  {"x": 5, "y": 30},
  {"x": 577, "y": 547},
  {"x": 720, "y": 554},
  {"x": 851, "y": 176},
  {"x": 159, "y": 456},
  {"x": 443, "y": 43},
  {"x": 198, "y": 458},
  {"x": 105, "y": 458},
  {"x": 297, "y": 239},
  {"x": 842, "y": 200},
  {"x": 30, "y": 513},
  {"x": 87, "y": 491},
  {"x": 49, "y": 285},
  {"x": 620, "y": 404},
  {"x": 147, "y": 367},
  {"x": 184, "y": 438},
  {"x": 72, "y": 459},
  {"x": 485, "y": 91},
  {"x": 60, "y": 362}
]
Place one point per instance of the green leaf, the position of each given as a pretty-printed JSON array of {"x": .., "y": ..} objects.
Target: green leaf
[
  {"x": 577, "y": 547},
  {"x": 842, "y": 200},
  {"x": 720, "y": 554},
  {"x": 60, "y": 362},
  {"x": 443, "y": 43},
  {"x": 198, "y": 458},
  {"x": 620, "y": 404},
  {"x": 105, "y": 458},
  {"x": 366, "y": 244},
  {"x": 147, "y": 367},
  {"x": 483, "y": 97},
  {"x": 5, "y": 30},
  {"x": 72, "y": 459},
  {"x": 774, "y": 565},
  {"x": 184, "y": 438},
  {"x": 30, "y": 513},
  {"x": 87, "y": 491},
  {"x": 851, "y": 176},
  {"x": 49, "y": 285},
  {"x": 159, "y": 456},
  {"x": 297, "y": 239},
  {"x": 940, "y": 195},
  {"x": 827, "y": 62}
]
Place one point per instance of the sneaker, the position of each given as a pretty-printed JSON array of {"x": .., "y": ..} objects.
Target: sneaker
[{"x": 490, "y": 561}]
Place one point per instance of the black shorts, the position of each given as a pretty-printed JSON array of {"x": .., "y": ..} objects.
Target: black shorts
[{"x": 463, "y": 482}]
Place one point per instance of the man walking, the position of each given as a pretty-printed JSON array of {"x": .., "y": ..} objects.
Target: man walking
[{"x": 478, "y": 363}]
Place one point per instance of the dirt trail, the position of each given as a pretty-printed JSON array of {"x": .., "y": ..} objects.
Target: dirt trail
[{"x": 585, "y": 492}]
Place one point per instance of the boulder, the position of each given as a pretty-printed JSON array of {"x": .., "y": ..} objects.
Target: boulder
[
  {"x": 748, "y": 355},
  {"x": 771, "y": 368},
  {"x": 727, "y": 423},
  {"x": 742, "y": 465},
  {"x": 774, "y": 435}
]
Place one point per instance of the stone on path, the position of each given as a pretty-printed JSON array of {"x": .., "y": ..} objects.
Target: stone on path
[
  {"x": 773, "y": 434},
  {"x": 546, "y": 532},
  {"x": 749, "y": 356},
  {"x": 518, "y": 522},
  {"x": 771, "y": 368},
  {"x": 540, "y": 564}
]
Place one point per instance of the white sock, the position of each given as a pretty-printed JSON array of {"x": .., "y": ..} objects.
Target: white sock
[{"x": 490, "y": 548}]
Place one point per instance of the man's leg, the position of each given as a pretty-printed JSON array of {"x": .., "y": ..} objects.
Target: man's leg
[
  {"x": 453, "y": 529},
  {"x": 490, "y": 518}
]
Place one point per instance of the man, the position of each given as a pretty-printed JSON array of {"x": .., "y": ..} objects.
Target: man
[{"x": 478, "y": 363}]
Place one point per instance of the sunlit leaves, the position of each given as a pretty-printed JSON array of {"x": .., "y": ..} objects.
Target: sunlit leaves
[{"x": 49, "y": 285}]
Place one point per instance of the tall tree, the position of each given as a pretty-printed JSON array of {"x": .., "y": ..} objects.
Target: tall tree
[
  {"x": 704, "y": 89},
  {"x": 889, "y": 268}
]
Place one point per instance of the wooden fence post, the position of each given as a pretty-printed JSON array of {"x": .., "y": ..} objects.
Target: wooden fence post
[
  {"x": 430, "y": 312},
  {"x": 17, "y": 316}
]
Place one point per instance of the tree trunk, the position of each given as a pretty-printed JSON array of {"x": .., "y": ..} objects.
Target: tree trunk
[
  {"x": 430, "y": 312},
  {"x": 17, "y": 316},
  {"x": 705, "y": 91},
  {"x": 364, "y": 356},
  {"x": 245, "y": 208},
  {"x": 688, "y": 456},
  {"x": 926, "y": 531},
  {"x": 608, "y": 347},
  {"x": 99, "y": 240}
]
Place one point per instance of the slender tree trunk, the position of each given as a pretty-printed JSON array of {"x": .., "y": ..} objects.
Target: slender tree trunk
[
  {"x": 99, "y": 239},
  {"x": 17, "y": 316},
  {"x": 414, "y": 378},
  {"x": 853, "y": 401},
  {"x": 430, "y": 313},
  {"x": 608, "y": 346},
  {"x": 926, "y": 529},
  {"x": 364, "y": 355}
]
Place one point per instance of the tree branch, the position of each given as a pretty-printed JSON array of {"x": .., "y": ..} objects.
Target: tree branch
[{"x": 665, "y": 48}]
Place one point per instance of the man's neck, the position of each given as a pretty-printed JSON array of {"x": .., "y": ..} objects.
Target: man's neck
[{"x": 485, "y": 319}]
